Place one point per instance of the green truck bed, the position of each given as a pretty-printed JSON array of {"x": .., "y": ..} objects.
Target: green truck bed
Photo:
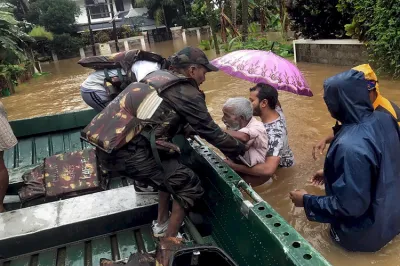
[
  {"x": 245, "y": 226},
  {"x": 116, "y": 246}
]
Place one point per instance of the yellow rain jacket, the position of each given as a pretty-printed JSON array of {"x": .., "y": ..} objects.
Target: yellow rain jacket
[{"x": 381, "y": 103}]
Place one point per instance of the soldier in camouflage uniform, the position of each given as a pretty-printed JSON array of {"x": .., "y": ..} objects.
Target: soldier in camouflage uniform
[{"x": 183, "y": 103}]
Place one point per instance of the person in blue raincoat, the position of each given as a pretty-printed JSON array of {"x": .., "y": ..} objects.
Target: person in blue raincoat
[{"x": 362, "y": 170}]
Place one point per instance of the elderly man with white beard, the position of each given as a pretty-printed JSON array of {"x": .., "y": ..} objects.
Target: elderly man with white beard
[{"x": 240, "y": 123}]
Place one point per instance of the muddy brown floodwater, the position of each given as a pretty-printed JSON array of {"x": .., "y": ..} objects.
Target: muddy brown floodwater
[{"x": 308, "y": 121}]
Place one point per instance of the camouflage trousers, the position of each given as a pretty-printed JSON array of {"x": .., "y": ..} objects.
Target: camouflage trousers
[{"x": 136, "y": 161}]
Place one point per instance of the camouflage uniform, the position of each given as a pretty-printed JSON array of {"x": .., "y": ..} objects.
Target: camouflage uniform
[{"x": 183, "y": 103}]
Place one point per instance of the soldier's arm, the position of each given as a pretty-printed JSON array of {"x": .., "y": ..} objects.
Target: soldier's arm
[{"x": 190, "y": 103}]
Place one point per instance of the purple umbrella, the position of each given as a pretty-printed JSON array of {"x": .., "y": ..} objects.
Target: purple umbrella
[{"x": 266, "y": 67}]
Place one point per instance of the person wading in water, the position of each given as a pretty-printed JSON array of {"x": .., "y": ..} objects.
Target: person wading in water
[{"x": 361, "y": 170}]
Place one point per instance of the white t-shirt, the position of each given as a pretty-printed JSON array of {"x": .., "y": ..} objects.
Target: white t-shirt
[
  {"x": 95, "y": 81},
  {"x": 142, "y": 68}
]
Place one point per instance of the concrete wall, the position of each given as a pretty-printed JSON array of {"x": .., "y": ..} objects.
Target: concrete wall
[
  {"x": 133, "y": 44},
  {"x": 332, "y": 52}
]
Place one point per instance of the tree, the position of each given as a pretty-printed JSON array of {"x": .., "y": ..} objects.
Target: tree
[
  {"x": 156, "y": 9},
  {"x": 57, "y": 16},
  {"x": 21, "y": 8},
  {"x": 213, "y": 25},
  {"x": 196, "y": 15},
  {"x": 233, "y": 12},
  {"x": 245, "y": 18},
  {"x": 317, "y": 19}
]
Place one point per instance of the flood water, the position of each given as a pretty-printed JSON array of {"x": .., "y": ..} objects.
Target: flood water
[{"x": 308, "y": 121}]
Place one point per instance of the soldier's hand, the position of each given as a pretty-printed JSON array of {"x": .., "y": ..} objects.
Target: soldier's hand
[{"x": 188, "y": 131}]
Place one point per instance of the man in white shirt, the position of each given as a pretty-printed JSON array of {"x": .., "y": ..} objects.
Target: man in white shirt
[{"x": 93, "y": 91}]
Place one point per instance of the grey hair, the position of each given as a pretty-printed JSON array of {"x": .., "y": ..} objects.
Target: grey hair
[{"x": 240, "y": 106}]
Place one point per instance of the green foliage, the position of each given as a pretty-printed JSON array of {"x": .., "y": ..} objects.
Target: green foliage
[
  {"x": 57, "y": 16},
  {"x": 267, "y": 10},
  {"x": 9, "y": 74},
  {"x": 156, "y": 8},
  {"x": 206, "y": 45},
  {"x": 159, "y": 16},
  {"x": 102, "y": 36},
  {"x": 37, "y": 75},
  {"x": 361, "y": 12},
  {"x": 253, "y": 28},
  {"x": 317, "y": 19},
  {"x": 275, "y": 22},
  {"x": 125, "y": 31},
  {"x": 85, "y": 37},
  {"x": 252, "y": 43},
  {"x": 66, "y": 45},
  {"x": 13, "y": 39},
  {"x": 196, "y": 15},
  {"x": 11, "y": 71},
  {"x": 39, "y": 33},
  {"x": 376, "y": 23}
]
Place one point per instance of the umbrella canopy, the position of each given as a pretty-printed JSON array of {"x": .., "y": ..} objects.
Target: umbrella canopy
[{"x": 264, "y": 67}]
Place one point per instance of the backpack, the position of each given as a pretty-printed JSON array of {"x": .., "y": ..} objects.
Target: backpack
[
  {"x": 120, "y": 61},
  {"x": 130, "y": 112}
]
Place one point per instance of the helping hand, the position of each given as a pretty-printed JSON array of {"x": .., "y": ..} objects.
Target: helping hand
[
  {"x": 320, "y": 147},
  {"x": 297, "y": 197},
  {"x": 318, "y": 178}
]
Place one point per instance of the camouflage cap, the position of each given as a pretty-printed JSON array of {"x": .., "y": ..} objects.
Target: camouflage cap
[{"x": 191, "y": 55}]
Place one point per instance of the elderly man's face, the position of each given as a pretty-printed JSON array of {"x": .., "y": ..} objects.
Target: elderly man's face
[{"x": 230, "y": 120}]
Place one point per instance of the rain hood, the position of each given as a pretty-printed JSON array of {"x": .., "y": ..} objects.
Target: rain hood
[{"x": 362, "y": 169}]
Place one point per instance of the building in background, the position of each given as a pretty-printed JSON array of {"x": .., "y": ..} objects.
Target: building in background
[{"x": 124, "y": 14}]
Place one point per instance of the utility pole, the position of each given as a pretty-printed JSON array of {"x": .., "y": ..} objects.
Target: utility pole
[
  {"x": 114, "y": 27},
  {"x": 90, "y": 29}
]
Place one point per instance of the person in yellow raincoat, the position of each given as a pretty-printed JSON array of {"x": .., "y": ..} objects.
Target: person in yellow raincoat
[{"x": 379, "y": 103}]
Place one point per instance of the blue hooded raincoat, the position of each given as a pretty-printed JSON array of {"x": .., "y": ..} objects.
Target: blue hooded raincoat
[{"x": 362, "y": 169}]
